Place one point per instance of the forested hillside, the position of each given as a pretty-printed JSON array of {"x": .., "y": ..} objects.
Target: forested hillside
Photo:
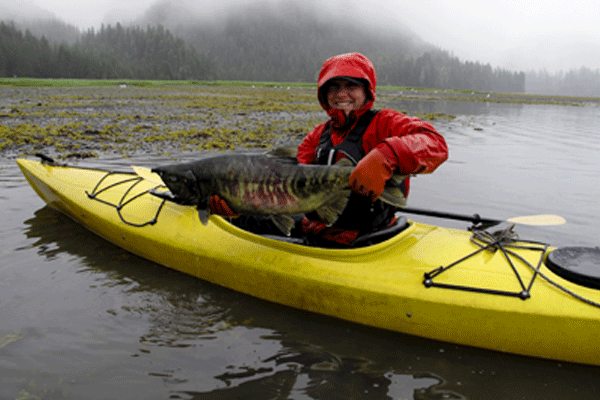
[
  {"x": 257, "y": 44},
  {"x": 151, "y": 53},
  {"x": 262, "y": 44},
  {"x": 52, "y": 29},
  {"x": 583, "y": 82},
  {"x": 112, "y": 52}
]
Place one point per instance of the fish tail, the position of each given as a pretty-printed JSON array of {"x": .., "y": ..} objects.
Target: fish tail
[{"x": 392, "y": 194}]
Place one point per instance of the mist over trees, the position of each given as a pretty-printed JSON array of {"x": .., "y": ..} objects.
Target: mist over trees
[
  {"x": 583, "y": 82},
  {"x": 151, "y": 53},
  {"x": 110, "y": 53},
  {"x": 54, "y": 30},
  {"x": 261, "y": 43},
  {"x": 258, "y": 43}
]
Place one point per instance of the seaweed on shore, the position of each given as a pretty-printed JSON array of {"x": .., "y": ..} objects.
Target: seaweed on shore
[{"x": 87, "y": 121}]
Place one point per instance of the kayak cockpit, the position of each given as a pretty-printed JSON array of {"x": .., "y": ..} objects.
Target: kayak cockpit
[
  {"x": 579, "y": 265},
  {"x": 364, "y": 240}
]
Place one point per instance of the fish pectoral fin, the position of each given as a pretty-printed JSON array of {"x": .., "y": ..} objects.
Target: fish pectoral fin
[
  {"x": 203, "y": 214},
  {"x": 331, "y": 210},
  {"x": 284, "y": 223}
]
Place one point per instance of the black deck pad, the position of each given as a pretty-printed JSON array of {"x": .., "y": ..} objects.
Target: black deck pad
[{"x": 580, "y": 265}]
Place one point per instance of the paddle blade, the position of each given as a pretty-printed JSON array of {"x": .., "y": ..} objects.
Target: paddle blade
[
  {"x": 148, "y": 175},
  {"x": 539, "y": 220}
]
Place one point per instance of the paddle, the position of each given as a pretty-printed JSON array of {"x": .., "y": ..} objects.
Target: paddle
[
  {"x": 536, "y": 220},
  {"x": 539, "y": 220}
]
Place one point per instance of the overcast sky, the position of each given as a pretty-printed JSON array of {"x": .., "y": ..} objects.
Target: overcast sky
[{"x": 514, "y": 34}]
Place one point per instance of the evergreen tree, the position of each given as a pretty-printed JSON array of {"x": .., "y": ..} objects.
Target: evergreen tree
[{"x": 113, "y": 52}]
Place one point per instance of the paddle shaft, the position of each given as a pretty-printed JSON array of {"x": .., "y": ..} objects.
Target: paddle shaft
[{"x": 475, "y": 218}]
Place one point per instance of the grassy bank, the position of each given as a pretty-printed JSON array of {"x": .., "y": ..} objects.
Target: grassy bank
[
  {"x": 87, "y": 121},
  {"x": 87, "y": 118},
  {"x": 35, "y": 82},
  {"x": 408, "y": 92}
]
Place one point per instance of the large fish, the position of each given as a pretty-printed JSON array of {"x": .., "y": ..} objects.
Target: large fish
[{"x": 266, "y": 184}]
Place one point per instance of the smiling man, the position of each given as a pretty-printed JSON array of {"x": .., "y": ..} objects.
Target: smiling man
[
  {"x": 380, "y": 143},
  {"x": 346, "y": 94}
]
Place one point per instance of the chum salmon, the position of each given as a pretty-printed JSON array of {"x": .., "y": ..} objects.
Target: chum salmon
[{"x": 266, "y": 184}]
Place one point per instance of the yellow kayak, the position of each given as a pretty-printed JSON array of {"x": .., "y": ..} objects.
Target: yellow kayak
[{"x": 477, "y": 289}]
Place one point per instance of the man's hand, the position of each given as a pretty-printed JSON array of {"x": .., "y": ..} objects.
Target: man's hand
[{"x": 371, "y": 174}]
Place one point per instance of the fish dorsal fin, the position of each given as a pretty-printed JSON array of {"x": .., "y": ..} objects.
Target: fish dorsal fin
[
  {"x": 344, "y": 162},
  {"x": 283, "y": 154},
  {"x": 331, "y": 210}
]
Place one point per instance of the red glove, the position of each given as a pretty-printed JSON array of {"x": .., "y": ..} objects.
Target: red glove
[
  {"x": 218, "y": 206},
  {"x": 371, "y": 174}
]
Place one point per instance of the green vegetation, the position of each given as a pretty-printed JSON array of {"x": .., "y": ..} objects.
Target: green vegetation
[
  {"x": 81, "y": 119},
  {"x": 111, "y": 53},
  {"x": 40, "y": 82},
  {"x": 85, "y": 121}
]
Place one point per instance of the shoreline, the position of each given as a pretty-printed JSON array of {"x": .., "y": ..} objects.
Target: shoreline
[{"x": 84, "y": 121}]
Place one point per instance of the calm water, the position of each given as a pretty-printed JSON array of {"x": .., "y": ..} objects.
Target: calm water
[{"x": 82, "y": 319}]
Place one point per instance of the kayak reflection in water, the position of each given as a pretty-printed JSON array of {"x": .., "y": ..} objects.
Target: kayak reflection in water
[{"x": 380, "y": 142}]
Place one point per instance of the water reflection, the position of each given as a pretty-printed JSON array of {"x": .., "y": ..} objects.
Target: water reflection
[
  {"x": 413, "y": 107},
  {"x": 165, "y": 334},
  {"x": 206, "y": 328},
  {"x": 81, "y": 318}
]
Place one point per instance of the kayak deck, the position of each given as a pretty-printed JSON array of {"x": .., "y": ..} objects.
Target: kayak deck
[{"x": 427, "y": 281}]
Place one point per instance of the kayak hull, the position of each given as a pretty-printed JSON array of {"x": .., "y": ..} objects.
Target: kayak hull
[{"x": 380, "y": 286}]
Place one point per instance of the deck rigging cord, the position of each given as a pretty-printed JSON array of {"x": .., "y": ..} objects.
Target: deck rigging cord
[
  {"x": 504, "y": 240},
  {"x": 124, "y": 201}
]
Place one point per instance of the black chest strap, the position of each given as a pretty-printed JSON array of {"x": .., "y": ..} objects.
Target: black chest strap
[
  {"x": 351, "y": 147},
  {"x": 360, "y": 213}
]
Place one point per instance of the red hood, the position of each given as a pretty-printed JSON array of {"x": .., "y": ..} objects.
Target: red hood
[{"x": 353, "y": 65}]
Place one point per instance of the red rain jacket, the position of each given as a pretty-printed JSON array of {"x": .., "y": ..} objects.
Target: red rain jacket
[{"x": 411, "y": 146}]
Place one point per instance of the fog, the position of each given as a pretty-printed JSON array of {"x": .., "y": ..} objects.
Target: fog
[{"x": 547, "y": 35}]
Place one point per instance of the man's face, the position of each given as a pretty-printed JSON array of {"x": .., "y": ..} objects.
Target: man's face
[{"x": 345, "y": 96}]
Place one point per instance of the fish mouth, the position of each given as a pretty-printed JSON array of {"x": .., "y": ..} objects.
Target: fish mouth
[{"x": 182, "y": 184}]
